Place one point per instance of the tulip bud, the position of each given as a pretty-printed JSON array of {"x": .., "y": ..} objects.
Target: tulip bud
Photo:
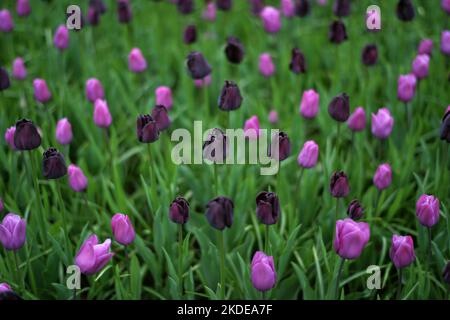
[
  {"x": 446, "y": 273},
  {"x": 197, "y": 65},
  {"x": 77, "y": 180},
  {"x": 93, "y": 256},
  {"x": 383, "y": 176},
  {"x": 98, "y": 5},
  {"x": 251, "y": 127},
  {"x": 234, "y": 50},
  {"x": 26, "y": 136},
  {"x": 339, "y": 186},
  {"x": 94, "y": 90},
  {"x": 267, "y": 207},
  {"x": 53, "y": 164},
  {"x": 124, "y": 11},
  {"x": 405, "y": 10},
  {"x": 256, "y": 7},
  {"x": 445, "y": 4},
  {"x": 445, "y": 127},
  {"x": 23, "y": 8},
  {"x": 425, "y": 47},
  {"x": 298, "y": 63},
  {"x": 102, "y": 117},
  {"x": 288, "y": 8},
  {"x": 179, "y": 210},
  {"x": 224, "y": 5},
  {"x": 185, "y": 6},
  {"x": 201, "y": 83},
  {"x": 357, "y": 120},
  {"x": 309, "y": 106},
  {"x": 337, "y": 32},
  {"x": 4, "y": 79},
  {"x": 215, "y": 147},
  {"x": 307, "y": 157},
  {"x": 64, "y": 132},
  {"x": 302, "y": 8},
  {"x": 263, "y": 272},
  {"x": 355, "y": 211},
  {"x": 350, "y": 238},
  {"x": 420, "y": 66},
  {"x": 369, "y": 55},
  {"x": 271, "y": 20},
  {"x": 13, "y": 230},
  {"x": 122, "y": 229},
  {"x": 146, "y": 129},
  {"x": 339, "y": 107},
  {"x": 41, "y": 92},
  {"x": 341, "y": 8},
  {"x": 273, "y": 116},
  {"x": 382, "y": 123},
  {"x": 219, "y": 212},
  {"x": 230, "y": 96},
  {"x": 445, "y": 42},
  {"x": 402, "y": 251},
  {"x": 6, "y": 21},
  {"x": 4, "y": 287},
  {"x": 9, "y": 137},
  {"x": 19, "y": 72},
  {"x": 427, "y": 210},
  {"x": 406, "y": 87},
  {"x": 161, "y": 117},
  {"x": 61, "y": 38},
  {"x": 190, "y": 34},
  {"x": 284, "y": 146},
  {"x": 209, "y": 13},
  {"x": 93, "y": 16},
  {"x": 136, "y": 61},
  {"x": 163, "y": 97},
  {"x": 266, "y": 66}
]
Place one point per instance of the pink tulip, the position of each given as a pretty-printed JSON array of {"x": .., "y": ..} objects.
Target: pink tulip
[
  {"x": 402, "y": 251},
  {"x": 41, "y": 92},
  {"x": 288, "y": 8},
  {"x": 122, "y": 229},
  {"x": 420, "y": 66},
  {"x": 136, "y": 61},
  {"x": 19, "y": 72},
  {"x": 445, "y": 4},
  {"x": 92, "y": 256},
  {"x": 77, "y": 180},
  {"x": 307, "y": 157},
  {"x": 445, "y": 42},
  {"x": 102, "y": 117},
  {"x": 406, "y": 87},
  {"x": 266, "y": 66},
  {"x": 427, "y": 210},
  {"x": 271, "y": 19},
  {"x": 383, "y": 176},
  {"x": 309, "y": 106},
  {"x": 273, "y": 116},
  {"x": 64, "y": 131},
  {"x": 357, "y": 120},
  {"x": 263, "y": 272},
  {"x": 13, "y": 230},
  {"x": 382, "y": 123},
  {"x": 9, "y": 137},
  {"x": 425, "y": 47},
  {"x": 6, "y": 21},
  {"x": 351, "y": 237},
  {"x": 94, "y": 90},
  {"x": 209, "y": 13},
  {"x": 251, "y": 128},
  {"x": 163, "y": 96},
  {"x": 23, "y": 8},
  {"x": 205, "y": 82},
  {"x": 4, "y": 287},
  {"x": 61, "y": 38}
]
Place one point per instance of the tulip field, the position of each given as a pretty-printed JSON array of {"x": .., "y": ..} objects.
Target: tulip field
[{"x": 95, "y": 203}]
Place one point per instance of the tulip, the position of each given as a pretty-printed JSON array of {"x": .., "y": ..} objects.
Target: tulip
[
  {"x": 98, "y": 5},
  {"x": 159, "y": 114},
  {"x": 53, "y": 164},
  {"x": 197, "y": 65},
  {"x": 219, "y": 212},
  {"x": 339, "y": 107},
  {"x": 267, "y": 208},
  {"x": 122, "y": 229},
  {"x": 357, "y": 120},
  {"x": 383, "y": 176},
  {"x": 179, "y": 210},
  {"x": 266, "y": 66},
  {"x": 307, "y": 157},
  {"x": 420, "y": 66},
  {"x": 23, "y": 8},
  {"x": 355, "y": 211},
  {"x": 284, "y": 146},
  {"x": 6, "y": 21},
  {"x": 41, "y": 92},
  {"x": 445, "y": 42},
  {"x": 339, "y": 186},
  {"x": 9, "y": 137},
  {"x": 102, "y": 116},
  {"x": 321, "y": 2},
  {"x": 230, "y": 96},
  {"x": 185, "y": 6},
  {"x": 146, "y": 129},
  {"x": 64, "y": 131},
  {"x": 13, "y": 230},
  {"x": 302, "y": 8},
  {"x": 309, "y": 106},
  {"x": 19, "y": 71},
  {"x": 163, "y": 96},
  {"x": 337, "y": 33},
  {"x": 297, "y": 64},
  {"x": 446, "y": 273},
  {"x": 271, "y": 20},
  {"x": 445, "y": 127},
  {"x": 288, "y": 8},
  {"x": 124, "y": 11},
  {"x": 256, "y": 7},
  {"x": 251, "y": 127},
  {"x": 224, "y": 5},
  {"x": 234, "y": 50},
  {"x": 77, "y": 180},
  {"x": 61, "y": 38},
  {"x": 93, "y": 16},
  {"x": 201, "y": 83},
  {"x": 93, "y": 256},
  {"x": 263, "y": 272},
  {"x": 190, "y": 34},
  {"x": 341, "y": 8},
  {"x": 136, "y": 61},
  {"x": 4, "y": 79},
  {"x": 273, "y": 116},
  {"x": 382, "y": 123},
  {"x": 445, "y": 4},
  {"x": 350, "y": 238},
  {"x": 209, "y": 13},
  {"x": 369, "y": 55},
  {"x": 215, "y": 147},
  {"x": 94, "y": 90},
  {"x": 26, "y": 135},
  {"x": 425, "y": 47},
  {"x": 4, "y": 287},
  {"x": 427, "y": 210},
  {"x": 405, "y": 10},
  {"x": 402, "y": 251}
]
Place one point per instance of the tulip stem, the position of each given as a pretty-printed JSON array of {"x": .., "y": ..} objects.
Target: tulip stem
[
  {"x": 430, "y": 247},
  {"x": 399, "y": 288},
  {"x": 20, "y": 280},
  {"x": 222, "y": 265},
  {"x": 377, "y": 201},
  {"x": 34, "y": 177},
  {"x": 216, "y": 180},
  {"x": 266, "y": 249},
  {"x": 336, "y": 215},
  {"x": 338, "y": 277},
  {"x": 180, "y": 259},
  {"x": 297, "y": 188},
  {"x": 63, "y": 214},
  {"x": 338, "y": 133}
]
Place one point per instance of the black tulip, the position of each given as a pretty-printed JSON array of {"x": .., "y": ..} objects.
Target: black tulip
[
  {"x": 53, "y": 164},
  {"x": 298, "y": 63},
  {"x": 26, "y": 136},
  {"x": 337, "y": 32},
  {"x": 446, "y": 273},
  {"x": 339, "y": 186},
  {"x": 284, "y": 146},
  {"x": 355, "y": 211},
  {"x": 4, "y": 79},
  {"x": 339, "y": 107},
  {"x": 405, "y": 10},
  {"x": 124, "y": 11},
  {"x": 215, "y": 147},
  {"x": 369, "y": 55},
  {"x": 256, "y": 6},
  {"x": 445, "y": 127},
  {"x": 185, "y": 6},
  {"x": 190, "y": 34},
  {"x": 224, "y": 5},
  {"x": 98, "y": 5},
  {"x": 147, "y": 129},
  {"x": 179, "y": 210},
  {"x": 197, "y": 65},
  {"x": 93, "y": 16},
  {"x": 230, "y": 96},
  {"x": 161, "y": 117},
  {"x": 219, "y": 212},
  {"x": 302, "y": 8},
  {"x": 341, "y": 8},
  {"x": 234, "y": 50},
  {"x": 267, "y": 207}
]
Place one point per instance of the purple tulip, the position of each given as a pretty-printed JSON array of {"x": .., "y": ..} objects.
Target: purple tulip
[
  {"x": 64, "y": 131},
  {"x": 77, "y": 180},
  {"x": 163, "y": 97},
  {"x": 297, "y": 64},
  {"x": 19, "y": 71},
  {"x": 284, "y": 146},
  {"x": 339, "y": 107},
  {"x": 406, "y": 87},
  {"x": 209, "y": 13},
  {"x": 146, "y": 129},
  {"x": 136, "y": 61},
  {"x": 204, "y": 82},
  {"x": 445, "y": 42},
  {"x": 288, "y": 8},
  {"x": 234, "y": 50},
  {"x": 230, "y": 97},
  {"x": 339, "y": 186},
  {"x": 383, "y": 176},
  {"x": 102, "y": 117},
  {"x": 369, "y": 55},
  {"x": 266, "y": 66},
  {"x": 23, "y": 8},
  {"x": 267, "y": 207},
  {"x": 4, "y": 287},
  {"x": 337, "y": 32},
  {"x": 270, "y": 17},
  {"x": 93, "y": 16},
  {"x": 351, "y": 237},
  {"x": 341, "y": 8},
  {"x": 219, "y": 212},
  {"x": 13, "y": 232},
  {"x": 251, "y": 127},
  {"x": 355, "y": 211},
  {"x": 26, "y": 135},
  {"x": 179, "y": 210},
  {"x": 402, "y": 251},
  {"x": 93, "y": 256},
  {"x": 405, "y": 10},
  {"x": 307, "y": 157},
  {"x": 94, "y": 90},
  {"x": 61, "y": 38},
  {"x": 5, "y": 83},
  {"x": 190, "y": 34},
  {"x": 427, "y": 210},
  {"x": 6, "y": 21},
  {"x": 445, "y": 4},
  {"x": 122, "y": 229},
  {"x": 41, "y": 92},
  {"x": 9, "y": 137},
  {"x": 420, "y": 66},
  {"x": 382, "y": 123},
  {"x": 357, "y": 120},
  {"x": 124, "y": 11},
  {"x": 263, "y": 272},
  {"x": 53, "y": 164},
  {"x": 309, "y": 106},
  {"x": 273, "y": 116},
  {"x": 197, "y": 65},
  {"x": 161, "y": 117},
  {"x": 425, "y": 47}
]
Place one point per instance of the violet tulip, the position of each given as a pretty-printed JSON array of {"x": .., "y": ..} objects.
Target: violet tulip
[
  {"x": 350, "y": 238},
  {"x": 420, "y": 66},
  {"x": 309, "y": 106},
  {"x": 13, "y": 231},
  {"x": 41, "y": 92},
  {"x": 266, "y": 66},
  {"x": 273, "y": 116},
  {"x": 267, "y": 207},
  {"x": 102, "y": 116},
  {"x": 53, "y": 164},
  {"x": 161, "y": 117},
  {"x": 383, "y": 176},
  {"x": 179, "y": 210},
  {"x": 357, "y": 120},
  {"x": 382, "y": 123},
  {"x": 197, "y": 65},
  {"x": 204, "y": 82},
  {"x": 136, "y": 61},
  {"x": 263, "y": 272},
  {"x": 19, "y": 71},
  {"x": 271, "y": 19},
  {"x": 402, "y": 251},
  {"x": 163, "y": 97},
  {"x": 146, "y": 129},
  {"x": 445, "y": 42},
  {"x": 251, "y": 127},
  {"x": 307, "y": 157},
  {"x": 288, "y": 8},
  {"x": 64, "y": 131},
  {"x": 122, "y": 229},
  {"x": 77, "y": 180},
  {"x": 339, "y": 186},
  {"x": 4, "y": 287},
  {"x": 5, "y": 83},
  {"x": 9, "y": 137},
  {"x": 26, "y": 135},
  {"x": 61, "y": 38},
  {"x": 406, "y": 87},
  {"x": 6, "y": 21},
  {"x": 209, "y": 13},
  {"x": 425, "y": 47},
  {"x": 427, "y": 210},
  {"x": 93, "y": 256},
  {"x": 94, "y": 90},
  {"x": 23, "y": 8},
  {"x": 219, "y": 213}
]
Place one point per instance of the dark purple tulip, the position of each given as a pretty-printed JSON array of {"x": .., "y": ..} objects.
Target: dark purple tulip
[
  {"x": 339, "y": 108},
  {"x": 234, "y": 50},
  {"x": 190, "y": 34},
  {"x": 405, "y": 10},
  {"x": 230, "y": 97},
  {"x": 9, "y": 296},
  {"x": 161, "y": 117},
  {"x": 93, "y": 16},
  {"x": 215, "y": 147},
  {"x": 284, "y": 146},
  {"x": 197, "y": 65},
  {"x": 26, "y": 136},
  {"x": 98, "y": 5},
  {"x": 256, "y": 6},
  {"x": 185, "y": 6},
  {"x": 355, "y": 211},
  {"x": 446, "y": 273},
  {"x": 297, "y": 64},
  {"x": 369, "y": 55},
  {"x": 124, "y": 11},
  {"x": 267, "y": 207},
  {"x": 302, "y": 8},
  {"x": 147, "y": 129},
  {"x": 337, "y": 33},
  {"x": 219, "y": 212},
  {"x": 341, "y": 8},
  {"x": 4, "y": 79},
  {"x": 179, "y": 210},
  {"x": 339, "y": 187},
  {"x": 445, "y": 127},
  {"x": 53, "y": 164},
  {"x": 224, "y": 5}
]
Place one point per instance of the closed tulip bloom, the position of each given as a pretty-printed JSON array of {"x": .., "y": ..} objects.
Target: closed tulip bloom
[
  {"x": 61, "y": 38},
  {"x": 19, "y": 71},
  {"x": 77, "y": 180},
  {"x": 102, "y": 116},
  {"x": 179, "y": 210},
  {"x": 256, "y": 6},
  {"x": 9, "y": 137},
  {"x": 446, "y": 273},
  {"x": 190, "y": 34},
  {"x": 339, "y": 107},
  {"x": 215, "y": 147},
  {"x": 41, "y": 92},
  {"x": 122, "y": 229},
  {"x": 266, "y": 66},
  {"x": 309, "y": 106},
  {"x": 4, "y": 79},
  {"x": 341, "y": 8},
  {"x": 26, "y": 135},
  {"x": 224, "y": 5},
  {"x": 288, "y": 8},
  {"x": 445, "y": 42},
  {"x": 163, "y": 97},
  {"x": 251, "y": 127},
  {"x": 355, "y": 211},
  {"x": 370, "y": 55},
  {"x": 445, "y": 4},
  {"x": 427, "y": 210},
  {"x": 219, "y": 212},
  {"x": 202, "y": 83},
  {"x": 425, "y": 47},
  {"x": 53, "y": 164},
  {"x": 339, "y": 186},
  {"x": 234, "y": 50},
  {"x": 271, "y": 19},
  {"x": 6, "y": 21},
  {"x": 146, "y": 129},
  {"x": 273, "y": 116},
  {"x": 298, "y": 63},
  {"x": 230, "y": 97},
  {"x": 197, "y": 65},
  {"x": 4, "y": 287},
  {"x": 267, "y": 207},
  {"x": 321, "y": 2},
  {"x": 337, "y": 32},
  {"x": 64, "y": 131},
  {"x": 263, "y": 272},
  {"x": 445, "y": 127},
  {"x": 209, "y": 13},
  {"x": 402, "y": 251},
  {"x": 136, "y": 61},
  {"x": 307, "y": 157},
  {"x": 124, "y": 11},
  {"x": 420, "y": 66},
  {"x": 185, "y": 6},
  {"x": 93, "y": 16},
  {"x": 99, "y": 5},
  {"x": 350, "y": 238},
  {"x": 161, "y": 117},
  {"x": 284, "y": 146},
  {"x": 383, "y": 176},
  {"x": 302, "y": 8},
  {"x": 382, "y": 123},
  {"x": 357, "y": 120},
  {"x": 94, "y": 90},
  {"x": 93, "y": 256},
  {"x": 23, "y": 8},
  {"x": 13, "y": 230},
  {"x": 405, "y": 10}
]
